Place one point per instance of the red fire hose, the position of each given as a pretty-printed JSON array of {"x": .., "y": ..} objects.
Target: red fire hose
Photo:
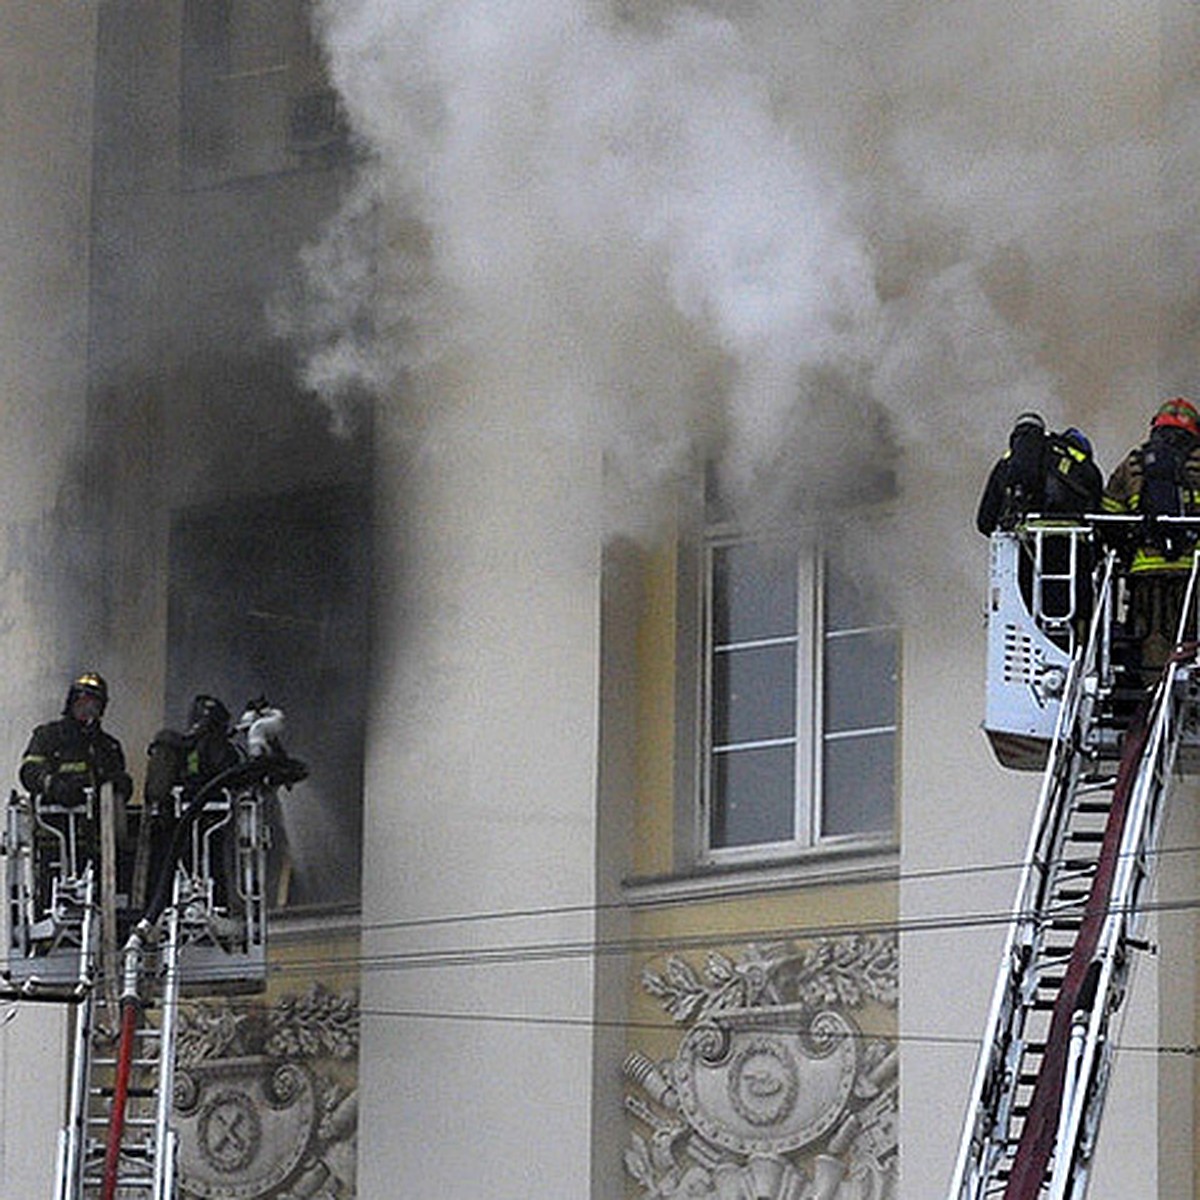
[
  {"x": 131, "y": 1007},
  {"x": 116, "y": 1123}
]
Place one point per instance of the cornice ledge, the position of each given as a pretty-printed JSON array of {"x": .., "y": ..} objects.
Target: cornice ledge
[{"x": 878, "y": 864}]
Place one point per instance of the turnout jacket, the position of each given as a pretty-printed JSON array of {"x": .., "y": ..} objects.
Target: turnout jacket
[
  {"x": 1042, "y": 473},
  {"x": 83, "y": 755},
  {"x": 187, "y": 759},
  {"x": 1124, "y": 490},
  {"x": 1128, "y": 491}
]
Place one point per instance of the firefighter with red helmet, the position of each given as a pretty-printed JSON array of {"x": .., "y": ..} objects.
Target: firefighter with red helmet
[
  {"x": 1160, "y": 478},
  {"x": 74, "y": 753}
]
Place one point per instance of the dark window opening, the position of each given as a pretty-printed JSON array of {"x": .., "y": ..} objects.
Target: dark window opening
[
  {"x": 269, "y": 595},
  {"x": 255, "y": 96}
]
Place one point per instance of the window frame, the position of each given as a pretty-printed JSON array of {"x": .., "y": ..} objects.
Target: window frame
[{"x": 811, "y": 638}]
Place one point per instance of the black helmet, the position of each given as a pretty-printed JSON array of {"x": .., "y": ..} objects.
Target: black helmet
[
  {"x": 90, "y": 683},
  {"x": 1027, "y": 422},
  {"x": 208, "y": 714}
]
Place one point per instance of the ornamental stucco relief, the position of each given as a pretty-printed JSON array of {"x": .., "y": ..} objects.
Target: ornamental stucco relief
[
  {"x": 265, "y": 1100},
  {"x": 773, "y": 1092}
]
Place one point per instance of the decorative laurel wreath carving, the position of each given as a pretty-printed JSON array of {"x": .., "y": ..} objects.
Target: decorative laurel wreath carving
[
  {"x": 845, "y": 972},
  {"x": 317, "y": 1024},
  {"x": 772, "y": 1092}
]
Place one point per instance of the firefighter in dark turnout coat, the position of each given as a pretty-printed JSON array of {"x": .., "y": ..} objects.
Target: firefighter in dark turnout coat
[
  {"x": 187, "y": 760},
  {"x": 190, "y": 758},
  {"x": 1051, "y": 474},
  {"x": 67, "y": 756}
]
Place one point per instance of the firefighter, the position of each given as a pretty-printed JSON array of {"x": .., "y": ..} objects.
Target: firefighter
[
  {"x": 1052, "y": 474},
  {"x": 65, "y": 761},
  {"x": 193, "y": 757},
  {"x": 1161, "y": 477},
  {"x": 67, "y": 756},
  {"x": 186, "y": 760}
]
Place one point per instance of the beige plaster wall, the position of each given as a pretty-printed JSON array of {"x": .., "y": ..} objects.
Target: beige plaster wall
[
  {"x": 46, "y": 68},
  {"x": 480, "y": 860}
]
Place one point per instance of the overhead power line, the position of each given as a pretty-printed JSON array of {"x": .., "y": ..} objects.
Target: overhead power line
[
  {"x": 616, "y": 906},
  {"x": 509, "y": 953}
]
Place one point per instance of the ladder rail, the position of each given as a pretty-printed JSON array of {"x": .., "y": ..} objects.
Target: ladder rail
[
  {"x": 1041, "y": 1125},
  {"x": 997, "y": 1054},
  {"x": 68, "y": 1182},
  {"x": 164, "y": 1135},
  {"x": 161, "y": 1175},
  {"x": 1082, "y": 1107}
]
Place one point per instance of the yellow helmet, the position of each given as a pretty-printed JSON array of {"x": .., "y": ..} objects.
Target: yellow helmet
[{"x": 91, "y": 683}]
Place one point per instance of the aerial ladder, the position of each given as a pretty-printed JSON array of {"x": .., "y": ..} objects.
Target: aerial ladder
[
  {"x": 1061, "y": 697},
  {"x": 74, "y": 939}
]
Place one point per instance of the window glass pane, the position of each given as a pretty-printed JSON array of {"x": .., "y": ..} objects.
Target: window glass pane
[
  {"x": 753, "y": 694},
  {"x": 756, "y": 695},
  {"x": 860, "y": 680},
  {"x": 752, "y": 797},
  {"x": 859, "y": 785},
  {"x": 754, "y": 593},
  {"x": 849, "y": 605}
]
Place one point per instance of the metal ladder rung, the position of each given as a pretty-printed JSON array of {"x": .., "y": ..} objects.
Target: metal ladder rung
[
  {"x": 1075, "y": 888},
  {"x": 131, "y": 1122},
  {"x": 1080, "y": 864}
]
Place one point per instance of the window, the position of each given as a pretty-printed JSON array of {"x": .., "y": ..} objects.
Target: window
[
  {"x": 268, "y": 595},
  {"x": 799, "y": 703},
  {"x": 255, "y": 97}
]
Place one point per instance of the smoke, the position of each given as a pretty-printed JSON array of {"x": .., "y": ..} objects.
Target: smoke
[{"x": 817, "y": 243}]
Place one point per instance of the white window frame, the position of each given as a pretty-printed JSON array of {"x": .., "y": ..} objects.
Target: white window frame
[{"x": 810, "y": 737}]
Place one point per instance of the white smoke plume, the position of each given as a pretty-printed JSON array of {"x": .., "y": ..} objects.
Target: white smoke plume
[{"x": 810, "y": 239}]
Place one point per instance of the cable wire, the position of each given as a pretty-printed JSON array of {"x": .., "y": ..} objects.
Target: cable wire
[
  {"x": 549, "y": 951},
  {"x": 583, "y": 908}
]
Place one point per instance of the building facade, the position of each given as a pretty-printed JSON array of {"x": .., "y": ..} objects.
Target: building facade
[{"x": 578, "y": 784}]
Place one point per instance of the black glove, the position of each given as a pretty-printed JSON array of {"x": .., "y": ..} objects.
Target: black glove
[{"x": 122, "y": 785}]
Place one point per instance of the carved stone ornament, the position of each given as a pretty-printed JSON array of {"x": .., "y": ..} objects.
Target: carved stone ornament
[
  {"x": 773, "y": 1092},
  {"x": 244, "y": 1125},
  {"x": 259, "y": 1107}
]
